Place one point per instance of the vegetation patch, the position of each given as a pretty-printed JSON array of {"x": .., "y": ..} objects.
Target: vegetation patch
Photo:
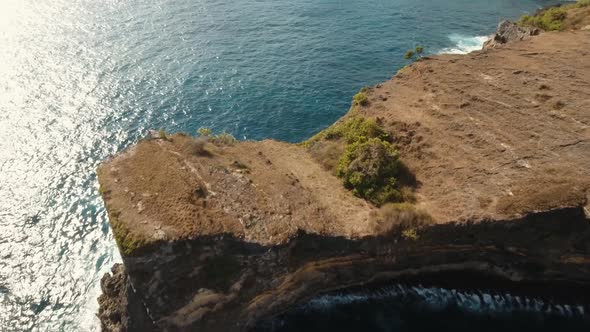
[
  {"x": 224, "y": 139},
  {"x": 549, "y": 20},
  {"x": 361, "y": 99},
  {"x": 369, "y": 168},
  {"x": 402, "y": 219},
  {"x": 367, "y": 162},
  {"x": 128, "y": 243},
  {"x": 354, "y": 129},
  {"x": 580, "y": 4},
  {"x": 220, "y": 139},
  {"x": 207, "y": 132},
  {"x": 553, "y": 18},
  {"x": 410, "y": 54},
  {"x": 162, "y": 134}
]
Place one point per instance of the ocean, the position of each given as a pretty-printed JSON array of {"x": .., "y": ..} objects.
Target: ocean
[{"x": 82, "y": 79}]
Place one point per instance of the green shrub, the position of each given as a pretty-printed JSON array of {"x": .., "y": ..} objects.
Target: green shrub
[
  {"x": 409, "y": 54},
  {"x": 419, "y": 49},
  {"x": 582, "y": 3},
  {"x": 224, "y": 138},
  {"x": 355, "y": 129},
  {"x": 550, "y": 19},
  {"x": 162, "y": 134},
  {"x": 203, "y": 131},
  {"x": 129, "y": 244},
  {"x": 410, "y": 234},
  {"x": 367, "y": 164},
  {"x": 361, "y": 99},
  {"x": 369, "y": 168}
]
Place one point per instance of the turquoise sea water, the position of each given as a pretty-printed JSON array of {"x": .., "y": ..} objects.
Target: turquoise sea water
[{"x": 83, "y": 79}]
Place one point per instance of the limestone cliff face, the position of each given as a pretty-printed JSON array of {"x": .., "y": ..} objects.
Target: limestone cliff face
[
  {"x": 217, "y": 237},
  {"x": 224, "y": 284}
]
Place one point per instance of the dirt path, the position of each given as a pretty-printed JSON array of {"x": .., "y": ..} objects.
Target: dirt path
[{"x": 327, "y": 190}]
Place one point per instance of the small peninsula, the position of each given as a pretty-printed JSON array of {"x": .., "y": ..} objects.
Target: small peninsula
[{"x": 470, "y": 170}]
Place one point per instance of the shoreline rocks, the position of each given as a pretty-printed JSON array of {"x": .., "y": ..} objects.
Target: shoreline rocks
[{"x": 508, "y": 31}]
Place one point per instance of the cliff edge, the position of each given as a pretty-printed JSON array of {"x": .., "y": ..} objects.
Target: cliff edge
[{"x": 494, "y": 170}]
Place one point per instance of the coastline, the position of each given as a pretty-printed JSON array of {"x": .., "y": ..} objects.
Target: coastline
[{"x": 493, "y": 231}]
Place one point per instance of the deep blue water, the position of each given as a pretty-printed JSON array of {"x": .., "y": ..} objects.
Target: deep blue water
[{"x": 83, "y": 79}]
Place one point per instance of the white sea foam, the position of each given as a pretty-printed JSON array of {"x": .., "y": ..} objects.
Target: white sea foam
[
  {"x": 464, "y": 44},
  {"x": 439, "y": 298}
]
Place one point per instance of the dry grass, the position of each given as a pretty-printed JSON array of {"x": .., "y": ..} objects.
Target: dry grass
[
  {"x": 401, "y": 219},
  {"x": 195, "y": 146}
]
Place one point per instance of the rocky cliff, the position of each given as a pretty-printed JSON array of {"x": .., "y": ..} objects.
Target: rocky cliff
[{"x": 495, "y": 148}]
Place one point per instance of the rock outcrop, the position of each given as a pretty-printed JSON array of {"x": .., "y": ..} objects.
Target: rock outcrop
[
  {"x": 120, "y": 310},
  {"x": 217, "y": 237},
  {"x": 508, "y": 31}
]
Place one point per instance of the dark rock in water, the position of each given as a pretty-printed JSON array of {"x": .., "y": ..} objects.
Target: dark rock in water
[{"x": 508, "y": 32}]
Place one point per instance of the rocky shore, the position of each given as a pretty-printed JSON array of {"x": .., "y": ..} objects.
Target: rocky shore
[{"x": 219, "y": 235}]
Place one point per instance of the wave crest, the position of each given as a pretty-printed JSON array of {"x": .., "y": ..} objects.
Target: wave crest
[{"x": 464, "y": 44}]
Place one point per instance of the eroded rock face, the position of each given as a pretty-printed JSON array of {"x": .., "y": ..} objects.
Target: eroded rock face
[
  {"x": 224, "y": 284},
  {"x": 508, "y": 31},
  {"x": 120, "y": 309}
]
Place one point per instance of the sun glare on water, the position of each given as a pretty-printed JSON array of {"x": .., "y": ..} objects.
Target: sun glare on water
[{"x": 50, "y": 142}]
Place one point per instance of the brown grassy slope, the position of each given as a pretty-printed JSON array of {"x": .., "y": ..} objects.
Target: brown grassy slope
[
  {"x": 262, "y": 192},
  {"x": 578, "y": 18},
  {"x": 495, "y": 133}
]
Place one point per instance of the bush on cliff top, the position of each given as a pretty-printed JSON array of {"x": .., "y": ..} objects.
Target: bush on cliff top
[
  {"x": 355, "y": 129},
  {"x": 368, "y": 164},
  {"x": 417, "y": 51},
  {"x": 224, "y": 138},
  {"x": 551, "y": 19},
  {"x": 361, "y": 99},
  {"x": 369, "y": 168}
]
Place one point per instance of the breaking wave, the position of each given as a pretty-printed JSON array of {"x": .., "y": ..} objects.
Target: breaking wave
[
  {"x": 440, "y": 298},
  {"x": 464, "y": 44},
  {"x": 403, "y": 308}
]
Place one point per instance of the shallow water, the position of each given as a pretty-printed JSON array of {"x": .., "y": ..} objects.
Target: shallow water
[{"x": 82, "y": 79}]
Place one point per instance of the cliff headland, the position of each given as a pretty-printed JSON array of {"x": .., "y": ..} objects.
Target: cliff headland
[{"x": 459, "y": 166}]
